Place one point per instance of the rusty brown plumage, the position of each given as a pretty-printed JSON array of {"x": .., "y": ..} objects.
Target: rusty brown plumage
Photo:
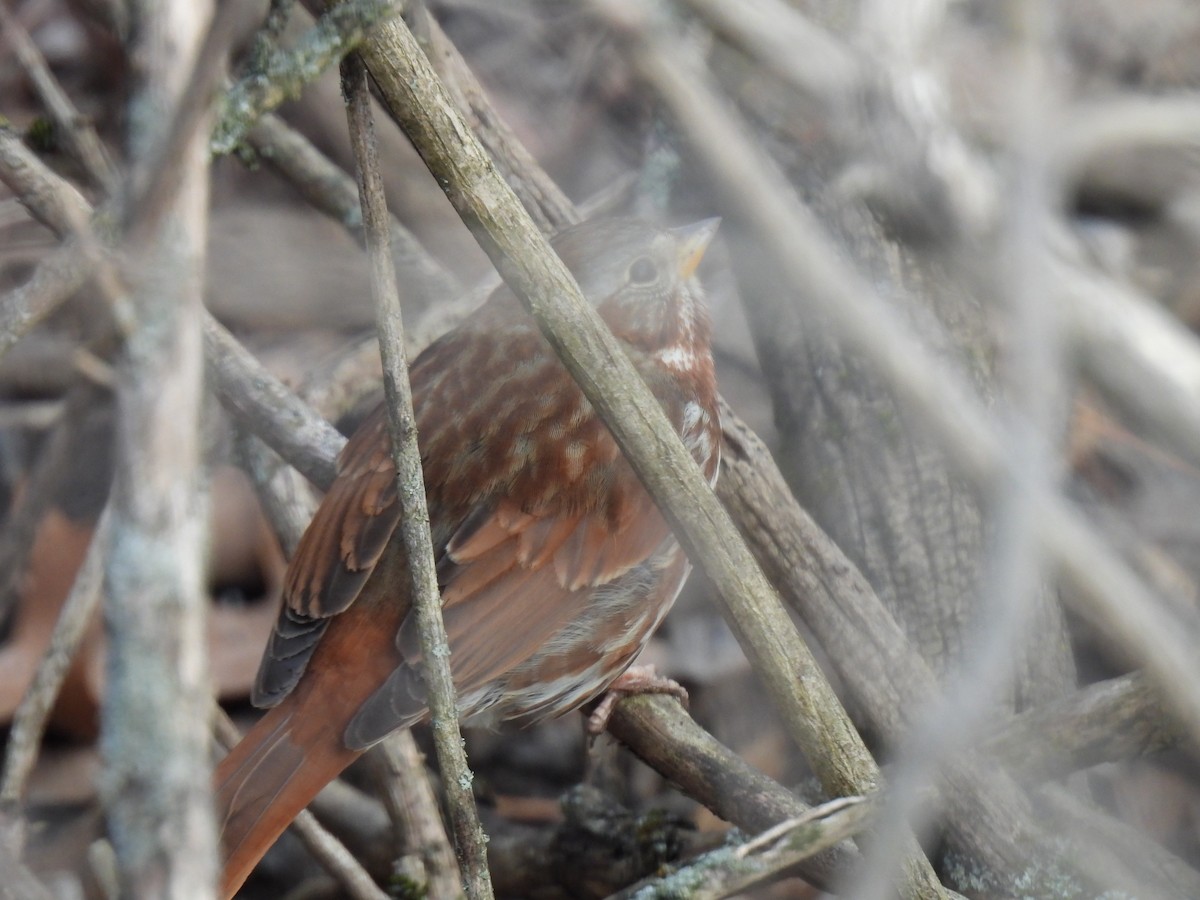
[{"x": 554, "y": 563}]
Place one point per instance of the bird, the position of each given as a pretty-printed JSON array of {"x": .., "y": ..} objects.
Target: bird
[{"x": 554, "y": 563}]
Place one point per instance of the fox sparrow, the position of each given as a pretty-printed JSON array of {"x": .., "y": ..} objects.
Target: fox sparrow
[{"x": 554, "y": 563}]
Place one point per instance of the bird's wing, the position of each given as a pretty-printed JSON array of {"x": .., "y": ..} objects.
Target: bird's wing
[
  {"x": 511, "y": 581},
  {"x": 336, "y": 555},
  {"x": 531, "y": 503}
]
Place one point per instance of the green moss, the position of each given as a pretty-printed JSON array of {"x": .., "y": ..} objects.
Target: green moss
[
  {"x": 402, "y": 887},
  {"x": 42, "y": 136}
]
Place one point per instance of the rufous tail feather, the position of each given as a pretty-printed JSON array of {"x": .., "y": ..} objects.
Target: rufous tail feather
[
  {"x": 268, "y": 778},
  {"x": 298, "y": 747}
]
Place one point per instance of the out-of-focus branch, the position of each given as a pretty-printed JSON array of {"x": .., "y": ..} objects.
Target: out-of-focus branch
[
  {"x": 29, "y": 720},
  {"x": 1105, "y": 722},
  {"x": 75, "y": 132},
  {"x": 989, "y": 816},
  {"x": 268, "y": 409},
  {"x": 48, "y": 197},
  {"x": 1107, "y": 592},
  {"x": 787, "y": 43},
  {"x": 1114, "y": 853},
  {"x": 324, "y": 185},
  {"x": 1144, "y": 360},
  {"x": 154, "y": 728}
]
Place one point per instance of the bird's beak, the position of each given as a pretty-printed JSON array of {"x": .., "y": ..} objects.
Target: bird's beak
[{"x": 691, "y": 241}]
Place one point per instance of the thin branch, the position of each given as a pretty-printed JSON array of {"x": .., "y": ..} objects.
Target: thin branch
[
  {"x": 414, "y": 521},
  {"x": 267, "y": 408},
  {"x": 1141, "y": 357},
  {"x": 1125, "y": 124},
  {"x": 146, "y": 193},
  {"x": 29, "y": 720},
  {"x": 539, "y": 193},
  {"x": 285, "y": 497},
  {"x": 56, "y": 278},
  {"x": 329, "y": 189},
  {"x": 734, "y": 870},
  {"x": 59, "y": 205},
  {"x": 337, "y": 860},
  {"x": 75, "y": 132},
  {"x": 48, "y": 197},
  {"x": 787, "y": 43},
  {"x": 427, "y": 857},
  {"x": 666, "y": 738}
]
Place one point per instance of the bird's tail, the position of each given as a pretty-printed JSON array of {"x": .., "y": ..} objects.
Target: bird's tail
[
  {"x": 299, "y": 746},
  {"x": 269, "y": 777}
]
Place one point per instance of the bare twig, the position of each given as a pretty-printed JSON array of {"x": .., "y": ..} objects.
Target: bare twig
[
  {"x": 29, "y": 720},
  {"x": 733, "y": 870},
  {"x": 268, "y": 409},
  {"x": 667, "y": 739},
  {"x": 337, "y": 860},
  {"x": 76, "y": 133},
  {"x": 787, "y": 43},
  {"x": 1123, "y": 123},
  {"x": 542, "y": 198},
  {"x": 324, "y": 185},
  {"x": 414, "y": 521},
  {"x": 286, "y": 499},
  {"x": 48, "y": 197},
  {"x": 56, "y": 278},
  {"x": 1145, "y": 360},
  {"x": 410, "y": 801}
]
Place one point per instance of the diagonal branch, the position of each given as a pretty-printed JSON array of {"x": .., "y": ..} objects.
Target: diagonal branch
[{"x": 505, "y": 231}]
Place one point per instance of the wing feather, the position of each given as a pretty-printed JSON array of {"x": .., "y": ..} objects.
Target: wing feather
[
  {"x": 502, "y": 603},
  {"x": 523, "y": 532}
]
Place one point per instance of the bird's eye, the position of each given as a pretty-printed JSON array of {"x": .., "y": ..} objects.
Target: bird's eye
[{"x": 643, "y": 271}]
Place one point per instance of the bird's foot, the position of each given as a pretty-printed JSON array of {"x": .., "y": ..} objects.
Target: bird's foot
[{"x": 634, "y": 680}]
